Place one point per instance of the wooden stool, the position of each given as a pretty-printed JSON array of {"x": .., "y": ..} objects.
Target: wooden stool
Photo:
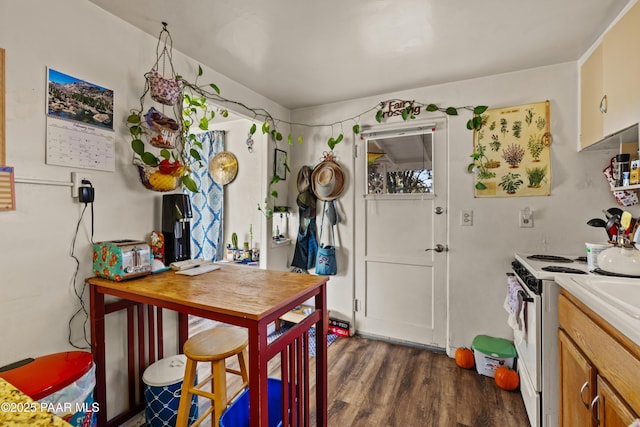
[{"x": 214, "y": 345}]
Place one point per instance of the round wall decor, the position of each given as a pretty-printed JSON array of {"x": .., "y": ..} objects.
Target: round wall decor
[{"x": 223, "y": 167}]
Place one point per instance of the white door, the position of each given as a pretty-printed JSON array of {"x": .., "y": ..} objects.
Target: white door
[{"x": 401, "y": 236}]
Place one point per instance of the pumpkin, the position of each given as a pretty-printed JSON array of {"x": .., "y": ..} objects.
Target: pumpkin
[
  {"x": 506, "y": 378},
  {"x": 464, "y": 358}
]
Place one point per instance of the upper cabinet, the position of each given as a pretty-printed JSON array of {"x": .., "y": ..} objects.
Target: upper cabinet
[{"x": 610, "y": 82}]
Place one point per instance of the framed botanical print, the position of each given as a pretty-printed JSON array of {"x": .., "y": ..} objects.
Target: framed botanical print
[
  {"x": 280, "y": 164},
  {"x": 512, "y": 152}
]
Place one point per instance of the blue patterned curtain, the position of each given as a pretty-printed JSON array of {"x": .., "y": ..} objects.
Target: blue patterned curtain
[{"x": 207, "y": 205}]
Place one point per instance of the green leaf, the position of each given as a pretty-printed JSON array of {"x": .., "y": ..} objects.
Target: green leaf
[
  {"x": 204, "y": 124},
  {"x": 480, "y": 109},
  {"x": 149, "y": 159},
  {"x": 480, "y": 186},
  {"x": 265, "y": 127},
  {"x": 195, "y": 154},
  {"x": 225, "y": 113},
  {"x": 432, "y": 107},
  {"x": 133, "y": 118},
  {"x": 300, "y": 139},
  {"x": 165, "y": 153},
  {"x": 214, "y": 87},
  {"x": 379, "y": 116},
  {"x": 275, "y": 179},
  {"x": 278, "y": 136},
  {"x": 253, "y": 129},
  {"x": 135, "y": 130},
  {"x": 188, "y": 182},
  {"x": 331, "y": 143},
  {"x": 137, "y": 146},
  {"x": 469, "y": 124},
  {"x": 405, "y": 114},
  {"x": 199, "y": 70},
  {"x": 274, "y": 194},
  {"x": 356, "y": 129},
  {"x": 339, "y": 139},
  {"x": 477, "y": 122},
  {"x": 290, "y": 139},
  {"x": 470, "y": 167},
  {"x": 451, "y": 111}
]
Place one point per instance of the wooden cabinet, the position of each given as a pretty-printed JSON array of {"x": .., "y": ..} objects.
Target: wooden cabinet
[
  {"x": 599, "y": 369},
  {"x": 621, "y": 72},
  {"x": 610, "y": 82},
  {"x": 577, "y": 384},
  {"x": 592, "y": 94},
  {"x": 612, "y": 410}
]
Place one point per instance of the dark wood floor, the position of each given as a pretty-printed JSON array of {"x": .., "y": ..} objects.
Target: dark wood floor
[{"x": 375, "y": 384}]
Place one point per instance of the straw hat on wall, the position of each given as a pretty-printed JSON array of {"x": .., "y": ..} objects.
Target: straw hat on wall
[{"x": 327, "y": 180}]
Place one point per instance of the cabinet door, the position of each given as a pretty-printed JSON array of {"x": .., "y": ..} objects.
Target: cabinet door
[
  {"x": 611, "y": 410},
  {"x": 621, "y": 72},
  {"x": 591, "y": 94},
  {"x": 577, "y": 384}
]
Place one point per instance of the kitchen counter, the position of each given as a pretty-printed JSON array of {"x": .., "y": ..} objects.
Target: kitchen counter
[
  {"x": 18, "y": 409},
  {"x": 592, "y": 291}
]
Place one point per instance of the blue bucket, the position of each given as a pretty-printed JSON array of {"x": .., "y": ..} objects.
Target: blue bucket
[
  {"x": 237, "y": 414},
  {"x": 162, "y": 386}
]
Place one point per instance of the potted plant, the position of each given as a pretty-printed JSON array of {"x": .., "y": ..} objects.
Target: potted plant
[
  {"x": 482, "y": 165},
  {"x": 513, "y": 155},
  {"x": 536, "y": 175},
  {"x": 535, "y": 146},
  {"x": 510, "y": 182}
]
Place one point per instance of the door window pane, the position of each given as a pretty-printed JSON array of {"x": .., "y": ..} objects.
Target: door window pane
[{"x": 400, "y": 164}]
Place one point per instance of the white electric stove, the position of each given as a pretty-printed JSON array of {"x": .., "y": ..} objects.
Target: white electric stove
[{"x": 538, "y": 351}]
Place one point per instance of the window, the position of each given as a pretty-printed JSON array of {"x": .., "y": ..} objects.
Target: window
[{"x": 400, "y": 162}]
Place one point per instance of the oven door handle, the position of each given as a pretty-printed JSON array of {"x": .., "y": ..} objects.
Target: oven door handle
[{"x": 524, "y": 296}]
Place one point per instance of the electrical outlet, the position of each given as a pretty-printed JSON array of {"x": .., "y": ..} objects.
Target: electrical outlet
[
  {"x": 76, "y": 180},
  {"x": 526, "y": 219},
  {"x": 466, "y": 217}
]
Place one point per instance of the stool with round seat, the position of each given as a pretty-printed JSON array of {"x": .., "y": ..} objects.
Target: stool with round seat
[{"x": 215, "y": 346}]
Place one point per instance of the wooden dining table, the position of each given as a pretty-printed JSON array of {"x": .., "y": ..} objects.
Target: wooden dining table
[{"x": 251, "y": 298}]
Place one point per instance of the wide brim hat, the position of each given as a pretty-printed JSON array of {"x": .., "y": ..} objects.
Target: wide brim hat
[
  {"x": 327, "y": 180},
  {"x": 306, "y": 200}
]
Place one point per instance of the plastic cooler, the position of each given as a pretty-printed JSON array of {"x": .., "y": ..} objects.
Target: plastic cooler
[
  {"x": 162, "y": 386},
  {"x": 491, "y": 352},
  {"x": 63, "y": 383},
  {"x": 237, "y": 414}
]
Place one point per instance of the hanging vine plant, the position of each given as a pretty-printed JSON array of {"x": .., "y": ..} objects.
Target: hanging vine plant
[{"x": 194, "y": 113}]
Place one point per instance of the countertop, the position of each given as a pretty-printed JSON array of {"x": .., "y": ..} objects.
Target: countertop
[
  {"x": 17, "y": 409},
  {"x": 579, "y": 287}
]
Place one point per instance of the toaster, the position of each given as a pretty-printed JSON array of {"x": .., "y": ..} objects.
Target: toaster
[{"x": 121, "y": 259}]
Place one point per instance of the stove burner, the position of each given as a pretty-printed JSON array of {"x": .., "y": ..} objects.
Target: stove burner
[
  {"x": 550, "y": 258},
  {"x": 560, "y": 269}
]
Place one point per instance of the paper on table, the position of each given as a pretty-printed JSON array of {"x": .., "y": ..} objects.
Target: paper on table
[{"x": 199, "y": 270}]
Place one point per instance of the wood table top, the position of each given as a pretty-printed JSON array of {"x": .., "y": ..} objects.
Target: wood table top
[{"x": 232, "y": 290}]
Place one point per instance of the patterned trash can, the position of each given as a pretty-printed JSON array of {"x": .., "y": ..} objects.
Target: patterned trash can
[{"x": 162, "y": 383}]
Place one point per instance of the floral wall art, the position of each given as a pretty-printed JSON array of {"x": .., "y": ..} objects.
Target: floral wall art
[{"x": 512, "y": 152}]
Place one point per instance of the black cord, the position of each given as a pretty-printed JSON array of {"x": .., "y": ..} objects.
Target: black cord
[{"x": 80, "y": 293}]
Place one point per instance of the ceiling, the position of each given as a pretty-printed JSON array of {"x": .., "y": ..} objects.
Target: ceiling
[{"x": 300, "y": 53}]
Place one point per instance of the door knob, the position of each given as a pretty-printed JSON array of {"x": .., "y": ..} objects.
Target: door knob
[
  {"x": 438, "y": 210},
  {"x": 438, "y": 248}
]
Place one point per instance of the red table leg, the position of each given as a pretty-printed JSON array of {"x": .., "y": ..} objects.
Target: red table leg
[
  {"x": 321, "y": 357},
  {"x": 98, "y": 350}
]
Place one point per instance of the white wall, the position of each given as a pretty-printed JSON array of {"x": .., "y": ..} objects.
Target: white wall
[
  {"x": 36, "y": 270},
  {"x": 479, "y": 256}
]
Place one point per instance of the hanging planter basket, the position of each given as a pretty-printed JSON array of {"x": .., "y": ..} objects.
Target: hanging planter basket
[
  {"x": 164, "y": 87},
  {"x": 163, "y": 90},
  {"x": 153, "y": 179}
]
